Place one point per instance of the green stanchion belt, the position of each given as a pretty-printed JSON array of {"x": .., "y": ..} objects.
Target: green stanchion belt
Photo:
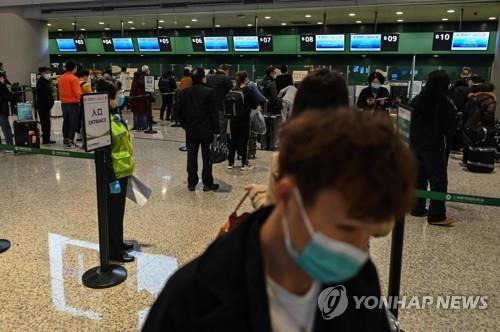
[
  {"x": 47, "y": 152},
  {"x": 459, "y": 198}
]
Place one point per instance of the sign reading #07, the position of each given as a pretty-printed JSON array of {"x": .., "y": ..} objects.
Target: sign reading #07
[
  {"x": 266, "y": 43},
  {"x": 198, "y": 44},
  {"x": 96, "y": 121}
]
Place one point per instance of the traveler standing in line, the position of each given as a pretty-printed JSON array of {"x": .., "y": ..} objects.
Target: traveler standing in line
[
  {"x": 432, "y": 129},
  {"x": 221, "y": 84},
  {"x": 186, "y": 80},
  {"x": 198, "y": 116},
  {"x": 374, "y": 97},
  {"x": 284, "y": 79},
  {"x": 70, "y": 94},
  {"x": 269, "y": 90},
  {"x": 108, "y": 75},
  {"x": 240, "y": 123},
  {"x": 44, "y": 102},
  {"x": 124, "y": 75},
  {"x": 83, "y": 75},
  {"x": 167, "y": 86},
  {"x": 5, "y": 97},
  {"x": 139, "y": 103},
  {"x": 2, "y": 71}
]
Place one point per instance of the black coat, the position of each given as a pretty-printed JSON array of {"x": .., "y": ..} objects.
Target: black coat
[
  {"x": 167, "y": 85},
  {"x": 197, "y": 111},
  {"x": 368, "y": 92},
  {"x": 5, "y": 97},
  {"x": 479, "y": 114},
  {"x": 224, "y": 290},
  {"x": 44, "y": 96},
  {"x": 221, "y": 84},
  {"x": 282, "y": 81},
  {"x": 268, "y": 88}
]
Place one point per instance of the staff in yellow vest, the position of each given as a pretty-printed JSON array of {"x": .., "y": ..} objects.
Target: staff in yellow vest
[{"x": 120, "y": 166}]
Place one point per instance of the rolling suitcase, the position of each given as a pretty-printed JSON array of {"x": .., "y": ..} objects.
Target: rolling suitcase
[
  {"x": 26, "y": 133},
  {"x": 269, "y": 141},
  {"x": 481, "y": 160}
]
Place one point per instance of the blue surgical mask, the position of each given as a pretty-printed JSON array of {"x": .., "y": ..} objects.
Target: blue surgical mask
[
  {"x": 324, "y": 259},
  {"x": 376, "y": 86},
  {"x": 121, "y": 100}
]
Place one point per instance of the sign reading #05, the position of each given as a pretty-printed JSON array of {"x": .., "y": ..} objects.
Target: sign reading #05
[
  {"x": 96, "y": 122},
  {"x": 165, "y": 44}
]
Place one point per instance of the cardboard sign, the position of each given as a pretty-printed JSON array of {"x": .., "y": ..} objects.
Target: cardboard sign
[
  {"x": 33, "y": 80},
  {"x": 149, "y": 83},
  {"x": 404, "y": 122},
  {"x": 299, "y": 75},
  {"x": 96, "y": 122}
]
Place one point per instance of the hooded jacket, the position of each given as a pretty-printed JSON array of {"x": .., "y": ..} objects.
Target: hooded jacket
[{"x": 479, "y": 114}]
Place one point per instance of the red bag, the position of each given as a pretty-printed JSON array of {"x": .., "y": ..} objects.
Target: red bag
[{"x": 234, "y": 219}]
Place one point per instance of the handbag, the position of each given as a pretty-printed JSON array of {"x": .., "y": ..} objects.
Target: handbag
[
  {"x": 218, "y": 151},
  {"x": 234, "y": 219},
  {"x": 257, "y": 122}
]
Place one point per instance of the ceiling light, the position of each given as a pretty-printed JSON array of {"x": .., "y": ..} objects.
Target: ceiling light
[
  {"x": 267, "y": 17},
  {"x": 161, "y": 21},
  {"x": 400, "y": 20},
  {"x": 451, "y": 11},
  {"x": 188, "y": 26},
  {"x": 130, "y": 22},
  {"x": 101, "y": 23},
  {"x": 194, "y": 20},
  {"x": 308, "y": 15},
  {"x": 49, "y": 24},
  {"x": 320, "y": 23},
  {"x": 492, "y": 18},
  {"x": 175, "y": 22},
  {"x": 283, "y": 23},
  {"x": 132, "y": 28},
  {"x": 352, "y": 14},
  {"x": 436, "y": 55},
  {"x": 249, "y": 24},
  {"x": 59, "y": 30},
  {"x": 82, "y": 29},
  {"x": 358, "y": 22},
  {"x": 74, "y": 23},
  {"x": 106, "y": 28},
  {"x": 444, "y": 19},
  {"x": 399, "y": 13},
  {"x": 217, "y": 25},
  {"x": 98, "y": 55},
  {"x": 160, "y": 27},
  {"x": 143, "y": 23}
]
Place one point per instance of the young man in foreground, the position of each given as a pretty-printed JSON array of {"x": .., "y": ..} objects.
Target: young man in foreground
[{"x": 343, "y": 176}]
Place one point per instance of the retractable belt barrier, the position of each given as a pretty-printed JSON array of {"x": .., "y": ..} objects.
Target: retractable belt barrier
[{"x": 47, "y": 152}]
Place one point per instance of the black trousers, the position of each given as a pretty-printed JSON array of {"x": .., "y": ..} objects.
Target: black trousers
[
  {"x": 167, "y": 102},
  {"x": 193, "y": 146},
  {"x": 433, "y": 172},
  {"x": 116, "y": 213},
  {"x": 240, "y": 134},
  {"x": 44, "y": 115}
]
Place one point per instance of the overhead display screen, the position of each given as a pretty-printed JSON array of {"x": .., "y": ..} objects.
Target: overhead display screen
[
  {"x": 441, "y": 41},
  {"x": 216, "y": 44},
  {"x": 470, "y": 41},
  {"x": 366, "y": 43},
  {"x": 165, "y": 44},
  {"x": 148, "y": 44},
  {"x": 246, "y": 43},
  {"x": 107, "y": 44},
  {"x": 329, "y": 43},
  {"x": 66, "y": 45},
  {"x": 123, "y": 45}
]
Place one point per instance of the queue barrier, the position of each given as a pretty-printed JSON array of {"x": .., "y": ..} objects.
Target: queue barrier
[{"x": 47, "y": 152}]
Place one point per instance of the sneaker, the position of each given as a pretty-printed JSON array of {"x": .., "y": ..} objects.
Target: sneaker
[
  {"x": 247, "y": 167},
  {"x": 230, "y": 166},
  {"x": 416, "y": 213},
  {"x": 183, "y": 149},
  {"x": 444, "y": 222},
  {"x": 49, "y": 142},
  {"x": 69, "y": 145},
  {"x": 213, "y": 187},
  {"x": 191, "y": 188}
]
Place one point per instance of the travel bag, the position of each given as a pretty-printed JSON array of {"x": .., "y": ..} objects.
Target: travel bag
[
  {"x": 26, "y": 133},
  {"x": 481, "y": 159},
  {"x": 269, "y": 141}
]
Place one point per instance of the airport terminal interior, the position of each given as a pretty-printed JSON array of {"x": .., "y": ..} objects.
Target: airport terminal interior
[{"x": 53, "y": 197}]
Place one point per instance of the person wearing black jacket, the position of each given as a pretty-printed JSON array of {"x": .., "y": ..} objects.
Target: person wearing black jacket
[
  {"x": 283, "y": 80},
  {"x": 45, "y": 101},
  {"x": 269, "y": 90},
  {"x": 221, "y": 84},
  {"x": 5, "y": 97},
  {"x": 240, "y": 125},
  {"x": 374, "y": 97},
  {"x": 167, "y": 87},
  {"x": 431, "y": 133},
  {"x": 198, "y": 115},
  {"x": 297, "y": 265}
]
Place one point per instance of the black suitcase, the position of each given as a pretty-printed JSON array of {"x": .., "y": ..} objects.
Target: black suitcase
[
  {"x": 252, "y": 146},
  {"x": 269, "y": 141},
  {"x": 481, "y": 159},
  {"x": 496, "y": 141},
  {"x": 26, "y": 133}
]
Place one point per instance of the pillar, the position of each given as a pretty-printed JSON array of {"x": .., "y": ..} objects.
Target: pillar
[
  {"x": 24, "y": 45},
  {"x": 495, "y": 69}
]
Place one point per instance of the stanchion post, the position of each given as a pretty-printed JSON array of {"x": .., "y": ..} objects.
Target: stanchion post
[
  {"x": 396, "y": 264},
  {"x": 150, "y": 115},
  {"x": 4, "y": 245}
]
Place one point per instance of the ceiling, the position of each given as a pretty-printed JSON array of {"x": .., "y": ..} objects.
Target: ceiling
[{"x": 292, "y": 17}]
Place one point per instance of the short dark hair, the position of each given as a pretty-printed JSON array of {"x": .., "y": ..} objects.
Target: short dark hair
[
  {"x": 124, "y": 68},
  {"x": 187, "y": 72},
  {"x": 107, "y": 87},
  {"x": 477, "y": 79},
  {"x": 224, "y": 67},
  {"x": 43, "y": 69},
  {"x": 380, "y": 192},
  {"x": 284, "y": 69},
  {"x": 376, "y": 75},
  {"x": 321, "y": 90},
  {"x": 241, "y": 76},
  {"x": 70, "y": 66},
  {"x": 198, "y": 75},
  {"x": 2, "y": 74},
  {"x": 269, "y": 70},
  {"x": 83, "y": 73}
]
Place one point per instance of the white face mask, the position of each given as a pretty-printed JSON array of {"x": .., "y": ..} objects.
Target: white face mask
[
  {"x": 46, "y": 76},
  {"x": 2, "y": 80}
]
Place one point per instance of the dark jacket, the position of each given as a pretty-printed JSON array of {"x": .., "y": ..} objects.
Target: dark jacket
[
  {"x": 432, "y": 127},
  {"x": 44, "y": 96},
  {"x": 167, "y": 85},
  {"x": 140, "y": 104},
  {"x": 224, "y": 290},
  {"x": 368, "y": 92},
  {"x": 268, "y": 87},
  {"x": 479, "y": 114},
  {"x": 282, "y": 81},
  {"x": 221, "y": 84},
  {"x": 250, "y": 103},
  {"x": 5, "y": 97},
  {"x": 197, "y": 113}
]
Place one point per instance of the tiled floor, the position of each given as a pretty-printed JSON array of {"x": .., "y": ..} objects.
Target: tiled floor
[{"x": 48, "y": 211}]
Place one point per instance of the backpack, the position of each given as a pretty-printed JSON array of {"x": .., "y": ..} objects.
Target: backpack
[{"x": 234, "y": 104}]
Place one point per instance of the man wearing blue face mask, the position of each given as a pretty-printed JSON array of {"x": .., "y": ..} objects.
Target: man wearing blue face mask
[
  {"x": 275, "y": 271},
  {"x": 374, "y": 97}
]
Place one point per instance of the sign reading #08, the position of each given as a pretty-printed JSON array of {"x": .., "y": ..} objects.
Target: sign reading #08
[{"x": 96, "y": 121}]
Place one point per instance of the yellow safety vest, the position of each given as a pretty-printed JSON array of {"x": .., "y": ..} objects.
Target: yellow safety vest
[{"x": 122, "y": 149}]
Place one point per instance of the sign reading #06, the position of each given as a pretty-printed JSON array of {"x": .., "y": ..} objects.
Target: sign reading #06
[
  {"x": 96, "y": 122},
  {"x": 165, "y": 44},
  {"x": 198, "y": 44}
]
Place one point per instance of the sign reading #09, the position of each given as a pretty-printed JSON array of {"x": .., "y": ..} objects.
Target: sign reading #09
[{"x": 96, "y": 121}]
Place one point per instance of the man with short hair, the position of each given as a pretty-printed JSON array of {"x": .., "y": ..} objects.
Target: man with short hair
[
  {"x": 269, "y": 90},
  {"x": 285, "y": 267},
  {"x": 283, "y": 80},
  {"x": 45, "y": 102},
  {"x": 70, "y": 94},
  {"x": 198, "y": 116},
  {"x": 5, "y": 97},
  {"x": 221, "y": 84}
]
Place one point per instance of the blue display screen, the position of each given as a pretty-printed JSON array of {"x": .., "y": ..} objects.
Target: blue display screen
[
  {"x": 330, "y": 42},
  {"x": 66, "y": 45},
  {"x": 148, "y": 44},
  {"x": 216, "y": 44},
  {"x": 123, "y": 45},
  {"x": 470, "y": 41},
  {"x": 246, "y": 44},
  {"x": 371, "y": 42}
]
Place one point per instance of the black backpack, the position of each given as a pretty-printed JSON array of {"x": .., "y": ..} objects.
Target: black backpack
[{"x": 234, "y": 104}]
